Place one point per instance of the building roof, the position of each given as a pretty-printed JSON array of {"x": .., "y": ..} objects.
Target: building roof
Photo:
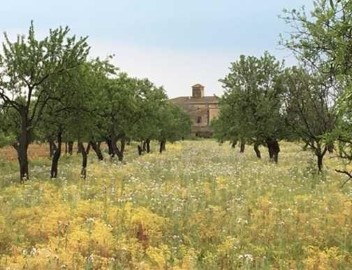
[
  {"x": 198, "y": 85},
  {"x": 189, "y": 100}
]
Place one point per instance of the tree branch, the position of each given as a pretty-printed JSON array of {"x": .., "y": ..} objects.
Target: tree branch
[
  {"x": 347, "y": 173},
  {"x": 13, "y": 103}
]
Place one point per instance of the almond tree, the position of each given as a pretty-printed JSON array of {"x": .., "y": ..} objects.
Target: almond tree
[
  {"x": 150, "y": 99},
  {"x": 120, "y": 112},
  {"x": 321, "y": 42},
  {"x": 77, "y": 114},
  {"x": 252, "y": 102},
  {"x": 26, "y": 65},
  {"x": 172, "y": 124},
  {"x": 308, "y": 110}
]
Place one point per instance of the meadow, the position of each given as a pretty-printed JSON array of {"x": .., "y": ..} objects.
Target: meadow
[{"x": 199, "y": 205}]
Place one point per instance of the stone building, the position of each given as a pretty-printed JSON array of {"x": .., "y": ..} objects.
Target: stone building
[{"x": 202, "y": 110}]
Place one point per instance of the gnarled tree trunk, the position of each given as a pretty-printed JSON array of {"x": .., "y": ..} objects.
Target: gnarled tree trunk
[
  {"x": 162, "y": 146},
  {"x": 88, "y": 148},
  {"x": 108, "y": 141},
  {"x": 147, "y": 141},
  {"x": 242, "y": 146},
  {"x": 84, "y": 160},
  {"x": 96, "y": 147},
  {"x": 273, "y": 148},
  {"x": 140, "y": 150},
  {"x": 22, "y": 149},
  {"x": 56, "y": 156},
  {"x": 320, "y": 153},
  {"x": 22, "y": 160},
  {"x": 115, "y": 149},
  {"x": 256, "y": 150},
  {"x": 52, "y": 147},
  {"x": 70, "y": 147}
]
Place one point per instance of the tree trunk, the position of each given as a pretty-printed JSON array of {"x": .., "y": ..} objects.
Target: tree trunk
[
  {"x": 108, "y": 141},
  {"x": 96, "y": 147},
  {"x": 119, "y": 154},
  {"x": 70, "y": 148},
  {"x": 144, "y": 145},
  {"x": 320, "y": 162},
  {"x": 256, "y": 150},
  {"x": 242, "y": 146},
  {"x": 88, "y": 148},
  {"x": 234, "y": 143},
  {"x": 83, "y": 151},
  {"x": 140, "y": 150},
  {"x": 162, "y": 146},
  {"x": 22, "y": 160},
  {"x": 52, "y": 148},
  {"x": 273, "y": 148},
  {"x": 22, "y": 150},
  {"x": 148, "y": 145},
  {"x": 320, "y": 155},
  {"x": 79, "y": 149},
  {"x": 56, "y": 156},
  {"x": 116, "y": 150}
]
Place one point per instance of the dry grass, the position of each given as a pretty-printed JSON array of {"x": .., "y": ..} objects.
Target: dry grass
[{"x": 35, "y": 151}]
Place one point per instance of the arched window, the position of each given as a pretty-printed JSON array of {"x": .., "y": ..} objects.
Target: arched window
[{"x": 199, "y": 119}]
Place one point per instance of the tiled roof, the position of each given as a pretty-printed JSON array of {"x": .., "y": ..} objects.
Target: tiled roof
[
  {"x": 198, "y": 85},
  {"x": 188, "y": 100}
]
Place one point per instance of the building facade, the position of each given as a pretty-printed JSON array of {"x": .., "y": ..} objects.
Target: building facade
[{"x": 202, "y": 110}]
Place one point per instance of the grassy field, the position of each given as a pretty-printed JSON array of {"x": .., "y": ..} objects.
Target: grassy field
[{"x": 197, "y": 206}]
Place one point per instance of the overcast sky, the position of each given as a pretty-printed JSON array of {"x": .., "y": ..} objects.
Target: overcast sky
[{"x": 174, "y": 43}]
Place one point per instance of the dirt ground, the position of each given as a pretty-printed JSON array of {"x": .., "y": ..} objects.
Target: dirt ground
[{"x": 34, "y": 151}]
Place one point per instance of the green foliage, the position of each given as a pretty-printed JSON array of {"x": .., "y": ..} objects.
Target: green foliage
[
  {"x": 321, "y": 42},
  {"x": 30, "y": 70},
  {"x": 308, "y": 106},
  {"x": 149, "y": 101},
  {"x": 49, "y": 90},
  {"x": 6, "y": 139},
  {"x": 137, "y": 109},
  {"x": 250, "y": 107},
  {"x": 120, "y": 108},
  {"x": 321, "y": 39},
  {"x": 173, "y": 123},
  {"x": 28, "y": 63},
  {"x": 8, "y": 126}
]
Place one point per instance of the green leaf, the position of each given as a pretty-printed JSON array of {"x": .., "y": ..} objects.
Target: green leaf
[{"x": 332, "y": 4}]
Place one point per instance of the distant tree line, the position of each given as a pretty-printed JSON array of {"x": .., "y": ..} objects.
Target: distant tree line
[
  {"x": 265, "y": 102},
  {"x": 51, "y": 91}
]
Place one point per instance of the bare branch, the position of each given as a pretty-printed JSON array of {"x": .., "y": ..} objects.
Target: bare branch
[{"x": 347, "y": 173}]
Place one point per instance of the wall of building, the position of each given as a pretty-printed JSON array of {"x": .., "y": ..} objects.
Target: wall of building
[
  {"x": 202, "y": 110},
  {"x": 213, "y": 111},
  {"x": 201, "y": 116}
]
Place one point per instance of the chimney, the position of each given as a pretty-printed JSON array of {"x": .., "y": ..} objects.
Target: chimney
[{"x": 197, "y": 91}]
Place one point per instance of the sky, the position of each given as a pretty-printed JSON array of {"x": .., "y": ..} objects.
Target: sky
[{"x": 173, "y": 43}]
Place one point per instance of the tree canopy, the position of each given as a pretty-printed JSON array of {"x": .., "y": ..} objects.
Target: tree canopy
[
  {"x": 51, "y": 91},
  {"x": 250, "y": 107}
]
